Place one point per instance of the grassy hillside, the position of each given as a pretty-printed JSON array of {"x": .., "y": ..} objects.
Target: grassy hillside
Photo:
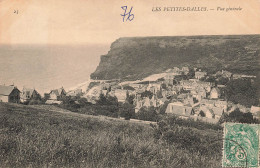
[
  {"x": 38, "y": 137},
  {"x": 138, "y": 57}
]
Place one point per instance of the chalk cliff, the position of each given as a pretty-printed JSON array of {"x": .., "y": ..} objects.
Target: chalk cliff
[{"x": 137, "y": 57}]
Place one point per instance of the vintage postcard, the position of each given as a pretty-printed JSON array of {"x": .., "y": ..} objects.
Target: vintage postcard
[{"x": 129, "y": 83}]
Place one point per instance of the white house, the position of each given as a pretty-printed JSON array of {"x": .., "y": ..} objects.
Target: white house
[
  {"x": 179, "y": 109},
  {"x": 215, "y": 93},
  {"x": 9, "y": 94}
]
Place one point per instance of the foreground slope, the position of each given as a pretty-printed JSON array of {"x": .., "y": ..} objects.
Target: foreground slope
[
  {"x": 138, "y": 57},
  {"x": 32, "y": 137}
]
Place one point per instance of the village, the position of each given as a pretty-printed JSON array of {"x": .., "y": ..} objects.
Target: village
[{"x": 187, "y": 93}]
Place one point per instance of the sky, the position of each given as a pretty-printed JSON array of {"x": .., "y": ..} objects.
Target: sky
[
  {"x": 46, "y": 44},
  {"x": 77, "y": 22}
]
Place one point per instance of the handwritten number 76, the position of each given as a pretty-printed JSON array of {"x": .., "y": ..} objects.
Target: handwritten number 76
[{"x": 127, "y": 15}]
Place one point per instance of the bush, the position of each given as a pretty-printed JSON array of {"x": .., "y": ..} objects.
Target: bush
[
  {"x": 127, "y": 111},
  {"x": 35, "y": 102},
  {"x": 147, "y": 94},
  {"x": 241, "y": 91},
  {"x": 175, "y": 120},
  {"x": 162, "y": 108},
  {"x": 127, "y": 87},
  {"x": 195, "y": 140},
  {"x": 147, "y": 114},
  {"x": 238, "y": 116}
]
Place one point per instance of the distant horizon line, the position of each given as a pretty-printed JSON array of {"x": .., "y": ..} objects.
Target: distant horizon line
[{"x": 104, "y": 44}]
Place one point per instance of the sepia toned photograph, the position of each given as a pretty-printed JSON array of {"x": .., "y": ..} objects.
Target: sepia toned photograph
[{"x": 129, "y": 84}]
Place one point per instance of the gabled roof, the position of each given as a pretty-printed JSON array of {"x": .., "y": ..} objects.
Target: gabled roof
[
  {"x": 216, "y": 89},
  {"x": 255, "y": 109},
  {"x": 27, "y": 91},
  {"x": 218, "y": 111},
  {"x": 58, "y": 92},
  {"x": 179, "y": 108},
  {"x": 6, "y": 90}
]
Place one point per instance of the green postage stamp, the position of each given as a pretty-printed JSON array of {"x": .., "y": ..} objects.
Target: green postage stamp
[{"x": 241, "y": 145}]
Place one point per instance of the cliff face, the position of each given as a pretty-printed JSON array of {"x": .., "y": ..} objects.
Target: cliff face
[{"x": 137, "y": 57}]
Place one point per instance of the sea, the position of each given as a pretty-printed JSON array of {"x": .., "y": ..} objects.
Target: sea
[{"x": 47, "y": 67}]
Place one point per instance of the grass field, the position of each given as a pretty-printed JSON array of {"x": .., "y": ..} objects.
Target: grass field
[{"x": 39, "y": 137}]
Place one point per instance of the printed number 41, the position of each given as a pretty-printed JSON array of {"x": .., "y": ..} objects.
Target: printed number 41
[{"x": 126, "y": 14}]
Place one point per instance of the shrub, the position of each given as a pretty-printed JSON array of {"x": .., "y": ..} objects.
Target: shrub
[
  {"x": 185, "y": 137},
  {"x": 243, "y": 92},
  {"x": 238, "y": 116},
  {"x": 35, "y": 102},
  {"x": 147, "y": 94},
  {"x": 147, "y": 114},
  {"x": 127, "y": 111}
]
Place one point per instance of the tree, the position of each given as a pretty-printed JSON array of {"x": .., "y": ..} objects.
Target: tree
[
  {"x": 68, "y": 102},
  {"x": 247, "y": 118},
  {"x": 127, "y": 111},
  {"x": 102, "y": 99},
  {"x": 223, "y": 81},
  {"x": 147, "y": 114},
  {"x": 191, "y": 74},
  {"x": 162, "y": 108},
  {"x": 243, "y": 92},
  {"x": 210, "y": 79},
  {"x": 127, "y": 87},
  {"x": 235, "y": 116},
  {"x": 159, "y": 94},
  {"x": 160, "y": 79},
  {"x": 109, "y": 89},
  {"x": 83, "y": 102},
  {"x": 147, "y": 94},
  {"x": 238, "y": 116},
  {"x": 163, "y": 86},
  {"x": 112, "y": 100},
  {"x": 129, "y": 98}
]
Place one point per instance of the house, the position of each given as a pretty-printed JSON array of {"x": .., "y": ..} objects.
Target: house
[
  {"x": 53, "y": 102},
  {"x": 206, "y": 85},
  {"x": 174, "y": 71},
  {"x": 120, "y": 95},
  {"x": 207, "y": 112},
  {"x": 211, "y": 112},
  {"x": 237, "y": 76},
  {"x": 138, "y": 104},
  {"x": 183, "y": 96},
  {"x": 215, "y": 93},
  {"x": 153, "y": 87},
  {"x": 185, "y": 70},
  {"x": 135, "y": 85},
  {"x": 74, "y": 93},
  {"x": 223, "y": 73},
  {"x": 9, "y": 94},
  {"x": 179, "y": 109},
  {"x": 218, "y": 112},
  {"x": 171, "y": 73},
  {"x": 199, "y": 93},
  {"x": 195, "y": 84},
  {"x": 57, "y": 94},
  {"x": 255, "y": 111},
  {"x": 189, "y": 100},
  {"x": 187, "y": 84},
  {"x": 169, "y": 78},
  {"x": 93, "y": 94},
  {"x": 150, "y": 102},
  {"x": 147, "y": 102},
  {"x": 28, "y": 94},
  {"x": 200, "y": 74}
]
